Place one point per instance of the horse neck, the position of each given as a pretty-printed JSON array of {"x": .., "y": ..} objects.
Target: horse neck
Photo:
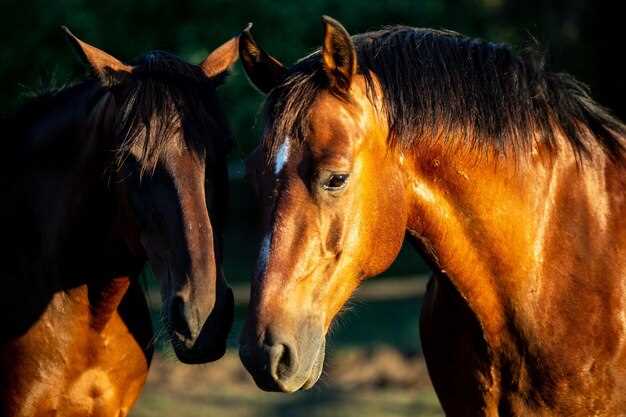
[
  {"x": 59, "y": 189},
  {"x": 511, "y": 236}
]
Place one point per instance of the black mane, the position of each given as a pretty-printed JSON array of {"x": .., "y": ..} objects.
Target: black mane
[
  {"x": 174, "y": 94},
  {"x": 442, "y": 86},
  {"x": 162, "y": 94}
]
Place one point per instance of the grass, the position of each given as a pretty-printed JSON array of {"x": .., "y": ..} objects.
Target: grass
[
  {"x": 357, "y": 382},
  {"x": 224, "y": 401}
]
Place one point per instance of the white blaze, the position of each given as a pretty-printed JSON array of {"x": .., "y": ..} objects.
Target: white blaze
[{"x": 282, "y": 156}]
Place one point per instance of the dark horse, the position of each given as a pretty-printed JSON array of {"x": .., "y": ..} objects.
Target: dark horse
[
  {"x": 509, "y": 178},
  {"x": 97, "y": 179}
]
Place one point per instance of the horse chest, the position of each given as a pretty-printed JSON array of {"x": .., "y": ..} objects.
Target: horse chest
[{"x": 72, "y": 363}]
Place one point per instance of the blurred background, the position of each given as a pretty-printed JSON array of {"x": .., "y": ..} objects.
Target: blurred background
[{"x": 374, "y": 366}]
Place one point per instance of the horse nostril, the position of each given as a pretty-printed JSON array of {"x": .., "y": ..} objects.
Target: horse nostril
[{"x": 282, "y": 361}]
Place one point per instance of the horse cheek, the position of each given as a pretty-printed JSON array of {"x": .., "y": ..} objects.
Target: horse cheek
[{"x": 387, "y": 224}]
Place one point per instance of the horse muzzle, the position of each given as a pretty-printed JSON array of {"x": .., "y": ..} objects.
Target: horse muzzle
[
  {"x": 283, "y": 363},
  {"x": 196, "y": 337}
]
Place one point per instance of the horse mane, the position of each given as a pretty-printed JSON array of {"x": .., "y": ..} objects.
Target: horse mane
[
  {"x": 443, "y": 86},
  {"x": 162, "y": 94},
  {"x": 39, "y": 102}
]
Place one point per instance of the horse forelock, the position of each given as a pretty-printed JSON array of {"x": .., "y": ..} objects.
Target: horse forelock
[{"x": 165, "y": 95}]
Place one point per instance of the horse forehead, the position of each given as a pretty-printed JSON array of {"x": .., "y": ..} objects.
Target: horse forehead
[
  {"x": 331, "y": 117},
  {"x": 328, "y": 111},
  {"x": 185, "y": 158},
  {"x": 333, "y": 127}
]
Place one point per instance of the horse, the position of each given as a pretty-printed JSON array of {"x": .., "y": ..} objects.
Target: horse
[
  {"x": 508, "y": 179},
  {"x": 124, "y": 168}
]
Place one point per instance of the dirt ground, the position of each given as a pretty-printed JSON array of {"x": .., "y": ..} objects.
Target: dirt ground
[{"x": 363, "y": 382}]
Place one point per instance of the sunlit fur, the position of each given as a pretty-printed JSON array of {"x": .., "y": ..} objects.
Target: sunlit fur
[{"x": 510, "y": 182}]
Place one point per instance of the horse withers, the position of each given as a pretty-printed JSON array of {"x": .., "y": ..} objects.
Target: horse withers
[
  {"x": 508, "y": 178},
  {"x": 99, "y": 178}
]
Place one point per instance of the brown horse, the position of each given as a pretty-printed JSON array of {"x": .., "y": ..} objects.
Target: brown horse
[
  {"x": 97, "y": 179},
  {"x": 509, "y": 178}
]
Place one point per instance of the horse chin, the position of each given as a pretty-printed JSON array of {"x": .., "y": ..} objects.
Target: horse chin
[
  {"x": 318, "y": 367},
  {"x": 314, "y": 373},
  {"x": 197, "y": 356},
  {"x": 211, "y": 342}
]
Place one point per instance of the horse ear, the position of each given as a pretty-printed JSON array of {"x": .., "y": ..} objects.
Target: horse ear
[
  {"x": 338, "y": 54},
  {"x": 263, "y": 70},
  {"x": 220, "y": 60},
  {"x": 107, "y": 68}
]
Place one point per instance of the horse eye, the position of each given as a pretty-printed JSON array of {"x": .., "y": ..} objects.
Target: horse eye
[{"x": 335, "y": 182}]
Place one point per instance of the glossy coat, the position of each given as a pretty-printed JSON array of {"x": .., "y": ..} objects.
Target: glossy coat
[{"x": 524, "y": 315}]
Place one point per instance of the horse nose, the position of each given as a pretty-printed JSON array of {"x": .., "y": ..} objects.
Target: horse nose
[
  {"x": 283, "y": 361},
  {"x": 272, "y": 360},
  {"x": 195, "y": 337}
]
